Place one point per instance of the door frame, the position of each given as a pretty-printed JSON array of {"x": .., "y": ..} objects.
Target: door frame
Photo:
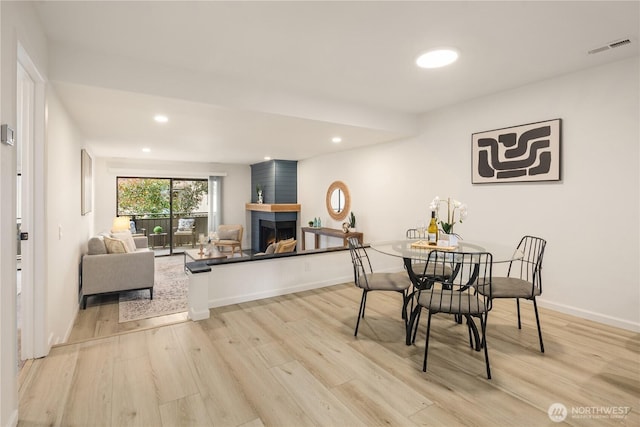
[{"x": 34, "y": 312}]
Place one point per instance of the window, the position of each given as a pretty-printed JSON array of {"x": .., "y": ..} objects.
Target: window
[{"x": 157, "y": 205}]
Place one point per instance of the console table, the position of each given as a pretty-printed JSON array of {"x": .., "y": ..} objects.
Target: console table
[{"x": 332, "y": 232}]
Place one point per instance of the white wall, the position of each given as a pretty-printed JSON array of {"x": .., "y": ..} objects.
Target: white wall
[
  {"x": 21, "y": 26},
  {"x": 236, "y": 186},
  {"x": 392, "y": 184},
  {"x": 235, "y": 283},
  {"x": 67, "y": 229},
  {"x": 58, "y": 203}
]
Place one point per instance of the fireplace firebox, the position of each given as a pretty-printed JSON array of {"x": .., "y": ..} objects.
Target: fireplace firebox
[{"x": 274, "y": 231}]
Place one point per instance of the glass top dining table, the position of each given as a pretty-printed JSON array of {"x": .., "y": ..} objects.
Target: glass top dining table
[{"x": 416, "y": 249}]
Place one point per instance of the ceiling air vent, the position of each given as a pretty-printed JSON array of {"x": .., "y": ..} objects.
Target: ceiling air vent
[
  {"x": 619, "y": 43},
  {"x": 611, "y": 45}
]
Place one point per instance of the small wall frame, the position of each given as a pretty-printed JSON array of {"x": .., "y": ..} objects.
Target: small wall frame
[{"x": 524, "y": 153}]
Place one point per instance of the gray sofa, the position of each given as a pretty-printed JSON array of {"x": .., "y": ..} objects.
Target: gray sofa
[{"x": 104, "y": 272}]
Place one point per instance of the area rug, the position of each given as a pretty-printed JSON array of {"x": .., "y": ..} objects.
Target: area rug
[{"x": 170, "y": 293}]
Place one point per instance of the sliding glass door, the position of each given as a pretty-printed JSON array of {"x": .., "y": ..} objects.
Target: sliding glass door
[
  {"x": 171, "y": 212},
  {"x": 190, "y": 207}
]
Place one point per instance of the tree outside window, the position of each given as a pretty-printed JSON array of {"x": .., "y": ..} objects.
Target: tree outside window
[
  {"x": 149, "y": 197},
  {"x": 188, "y": 196},
  {"x": 143, "y": 197}
]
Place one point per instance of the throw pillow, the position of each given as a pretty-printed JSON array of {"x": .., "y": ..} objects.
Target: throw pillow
[
  {"x": 285, "y": 246},
  {"x": 127, "y": 238},
  {"x": 185, "y": 224},
  {"x": 270, "y": 249},
  {"x": 96, "y": 246},
  {"x": 115, "y": 246},
  {"x": 228, "y": 234}
]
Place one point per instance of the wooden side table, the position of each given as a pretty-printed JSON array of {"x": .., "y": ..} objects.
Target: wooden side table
[
  {"x": 331, "y": 232},
  {"x": 156, "y": 238}
]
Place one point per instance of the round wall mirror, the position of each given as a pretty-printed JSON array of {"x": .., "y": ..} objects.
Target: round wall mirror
[{"x": 338, "y": 200}]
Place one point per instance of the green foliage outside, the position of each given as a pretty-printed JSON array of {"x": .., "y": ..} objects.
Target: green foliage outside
[
  {"x": 148, "y": 197},
  {"x": 188, "y": 195}
]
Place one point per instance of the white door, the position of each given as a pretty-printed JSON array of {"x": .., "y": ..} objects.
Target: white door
[{"x": 24, "y": 162}]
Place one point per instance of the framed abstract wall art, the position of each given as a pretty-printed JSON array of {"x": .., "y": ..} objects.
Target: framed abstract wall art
[{"x": 522, "y": 153}]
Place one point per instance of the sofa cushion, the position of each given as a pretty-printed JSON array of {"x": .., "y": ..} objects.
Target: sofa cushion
[
  {"x": 96, "y": 246},
  {"x": 185, "y": 224},
  {"x": 115, "y": 246},
  {"x": 127, "y": 238},
  {"x": 228, "y": 234}
]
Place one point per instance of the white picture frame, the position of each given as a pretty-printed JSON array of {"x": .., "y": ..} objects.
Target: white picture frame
[{"x": 524, "y": 153}]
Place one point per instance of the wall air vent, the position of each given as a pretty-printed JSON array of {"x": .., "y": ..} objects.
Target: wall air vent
[{"x": 617, "y": 43}]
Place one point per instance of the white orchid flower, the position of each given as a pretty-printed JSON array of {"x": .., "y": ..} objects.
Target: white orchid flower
[
  {"x": 463, "y": 212},
  {"x": 452, "y": 206},
  {"x": 435, "y": 203}
]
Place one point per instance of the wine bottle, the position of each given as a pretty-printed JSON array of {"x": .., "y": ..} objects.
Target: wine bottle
[{"x": 432, "y": 231}]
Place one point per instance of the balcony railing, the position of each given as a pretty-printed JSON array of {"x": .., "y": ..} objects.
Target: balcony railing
[{"x": 146, "y": 223}]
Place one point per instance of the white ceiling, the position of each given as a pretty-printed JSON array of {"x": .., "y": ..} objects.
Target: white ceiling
[{"x": 242, "y": 80}]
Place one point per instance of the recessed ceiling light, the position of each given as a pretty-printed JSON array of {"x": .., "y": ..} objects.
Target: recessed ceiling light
[
  {"x": 267, "y": 158},
  {"x": 437, "y": 58},
  {"x": 336, "y": 139},
  {"x": 160, "y": 118},
  {"x": 146, "y": 150}
]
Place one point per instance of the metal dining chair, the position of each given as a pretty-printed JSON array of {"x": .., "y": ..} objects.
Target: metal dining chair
[
  {"x": 455, "y": 294},
  {"x": 365, "y": 279},
  {"x": 524, "y": 278},
  {"x": 417, "y": 266},
  {"x": 413, "y": 233}
]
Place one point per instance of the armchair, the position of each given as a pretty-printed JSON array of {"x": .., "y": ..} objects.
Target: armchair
[
  {"x": 230, "y": 235},
  {"x": 186, "y": 229}
]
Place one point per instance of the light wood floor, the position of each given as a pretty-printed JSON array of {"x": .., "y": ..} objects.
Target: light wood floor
[
  {"x": 293, "y": 361},
  {"x": 100, "y": 319}
]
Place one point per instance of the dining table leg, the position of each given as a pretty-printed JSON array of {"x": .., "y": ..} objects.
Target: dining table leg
[
  {"x": 415, "y": 309},
  {"x": 410, "y": 301}
]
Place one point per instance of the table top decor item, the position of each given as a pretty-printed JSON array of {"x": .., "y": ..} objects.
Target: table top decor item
[{"x": 452, "y": 206}]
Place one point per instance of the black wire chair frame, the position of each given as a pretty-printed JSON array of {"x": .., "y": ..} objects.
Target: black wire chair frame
[
  {"x": 455, "y": 294},
  {"x": 365, "y": 279},
  {"x": 524, "y": 277}
]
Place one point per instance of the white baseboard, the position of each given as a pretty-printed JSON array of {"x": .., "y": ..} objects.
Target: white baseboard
[
  {"x": 67, "y": 334},
  {"x": 318, "y": 271},
  {"x": 590, "y": 315},
  {"x": 220, "y": 302},
  {"x": 196, "y": 315}
]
